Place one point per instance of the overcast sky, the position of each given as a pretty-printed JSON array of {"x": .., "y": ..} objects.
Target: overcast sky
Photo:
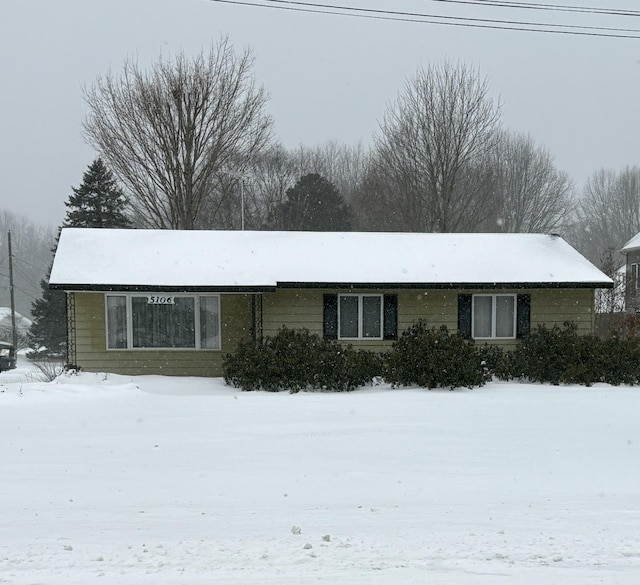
[{"x": 329, "y": 77}]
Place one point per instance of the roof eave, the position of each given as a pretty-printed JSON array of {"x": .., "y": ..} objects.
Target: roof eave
[
  {"x": 446, "y": 285},
  {"x": 325, "y": 285},
  {"x": 159, "y": 288}
]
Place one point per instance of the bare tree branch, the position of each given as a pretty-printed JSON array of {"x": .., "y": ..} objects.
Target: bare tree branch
[
  {"x": 534, "y": 195},
  {"x": 442, "y": 126},
  {"x": 608, "y": 213},
  {"x": 169, "y": 132}
]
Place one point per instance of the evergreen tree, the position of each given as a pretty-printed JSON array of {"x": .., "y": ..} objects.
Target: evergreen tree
[
  {"x": 97, "y": 203},
  {"x": 314, "y": 204},
  {"x": 49, "y": 327}
]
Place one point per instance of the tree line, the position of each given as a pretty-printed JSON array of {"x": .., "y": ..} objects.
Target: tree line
[{"x": 192, "y": 145}]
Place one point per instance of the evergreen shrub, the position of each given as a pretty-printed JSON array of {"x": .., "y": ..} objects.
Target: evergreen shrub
[
  {"x": 495, "y": 361},
  {"x": 558, "y": 355},
  {"x": 296, "y": 360},
  {"x": 622, "y": 363},
  {"x": 434, "y": 358}
]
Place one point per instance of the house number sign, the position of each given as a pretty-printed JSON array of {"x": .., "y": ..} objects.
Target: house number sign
[{"x": 160, "y": 300}]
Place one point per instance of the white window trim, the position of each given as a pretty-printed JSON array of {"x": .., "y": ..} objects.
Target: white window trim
[
  {"x": 128, "y": 296},
  {"x": 493, "y": 316},
  {"x": 634, "y": 276},
  {"x": 360, "y": 320}
]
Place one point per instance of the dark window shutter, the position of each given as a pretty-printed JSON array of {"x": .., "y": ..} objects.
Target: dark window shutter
[
  {"x": 390, "y": 328},
  {"x": 330, "y": 317},
  {"x": 464, "y": 316},
  {"x": 523, "y": 316}
]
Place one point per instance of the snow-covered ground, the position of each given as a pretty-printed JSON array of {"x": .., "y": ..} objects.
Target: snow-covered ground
[{"x": 152, "y": 480}]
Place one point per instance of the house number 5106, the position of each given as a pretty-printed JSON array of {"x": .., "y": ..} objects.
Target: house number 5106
[{"x": 159, "y": 300}]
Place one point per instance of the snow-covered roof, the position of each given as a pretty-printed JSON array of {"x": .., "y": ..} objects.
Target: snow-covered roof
[
  {"x": 105, "y": 259},
  {"x": 632, "y": 244}
]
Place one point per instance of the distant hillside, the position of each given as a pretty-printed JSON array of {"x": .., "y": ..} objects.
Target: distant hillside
[{"x": 22, "y": 324}]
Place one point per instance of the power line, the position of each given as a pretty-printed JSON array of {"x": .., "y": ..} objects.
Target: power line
[
  {"x": 543, "y": 7},
  {"x": 26, "y": 293},
  {"x": 468, "y": 22},
  {"x": 26, "y": 278},
  {"x": 454, "y": 18},
  {"x": 462, "y": 18},
  {"x": 29, "y": 264}
]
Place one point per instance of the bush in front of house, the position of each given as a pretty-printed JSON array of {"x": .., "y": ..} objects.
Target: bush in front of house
[
  {"x": 434, "y": 358},
  {"x": 558, "y": 355},
  {"x": 495, "y": 361},
  {"x": 543, "y": 355},
  {"x": 620, "y": 361},
  {"x": 296, "y": 360}
]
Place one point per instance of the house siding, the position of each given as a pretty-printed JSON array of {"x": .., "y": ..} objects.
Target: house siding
[
  {"x": 297, "y": 309},
  {"x": 555, "y": 307},
  {"x": 92, "y": 355},
  {"x": 301, "y": 308}
]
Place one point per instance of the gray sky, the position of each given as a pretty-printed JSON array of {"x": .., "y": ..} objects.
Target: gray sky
[{"x": 329, "y": 77}]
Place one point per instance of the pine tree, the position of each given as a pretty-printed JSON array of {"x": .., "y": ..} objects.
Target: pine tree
[
  {"x": 315, "y": 204},
  {"x": 97, "y": 203},
  {"x": 49, "y": 327}
]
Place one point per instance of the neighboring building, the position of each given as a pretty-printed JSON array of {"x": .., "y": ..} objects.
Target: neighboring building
[
  {"x": 631, "y": 251},
  {"x": 175, "y": 302}
]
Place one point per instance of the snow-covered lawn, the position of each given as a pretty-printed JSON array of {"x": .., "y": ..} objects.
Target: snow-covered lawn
[{"x": 152, "y": 480}]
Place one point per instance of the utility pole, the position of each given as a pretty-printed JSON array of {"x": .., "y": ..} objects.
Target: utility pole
[{"x": 14, "y": 331}]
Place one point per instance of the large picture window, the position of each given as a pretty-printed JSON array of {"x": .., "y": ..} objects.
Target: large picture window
[
  {"x": 494, "y": 317},
  {"x": 152, "y": 321},
  {"x": 360, "y": 317}
]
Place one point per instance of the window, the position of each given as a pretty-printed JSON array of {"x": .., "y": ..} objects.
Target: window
[
  {"x": 141, "y": 321},
  {"x": 635, "y": 284},
  {"x": 116, "y": 322},
  {"x": 494, "y": 316},
  {"x": 360, "y": 317},
  {"x": 357, "y": 316},
  {"x": 209, "y": 323},
  {"x": 484, "y": 319}
]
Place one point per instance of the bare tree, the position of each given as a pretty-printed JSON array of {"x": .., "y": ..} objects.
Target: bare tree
[
  {"x": 437, "y": 135},
  {"x": 611, "y": 300},
  {"x": 380, "y": 203},
  {"x": 168, "y": 133},
  {"x": 342, "y": 165},
  {"x": 271, "y": 172},
  {"x": 534, "y": 195},
  {"x": 270, "y": 175},
  {"x": 608, "y": 213},
  {"x": 32, "y": 244},
  {"x": 221, "y": 208}
]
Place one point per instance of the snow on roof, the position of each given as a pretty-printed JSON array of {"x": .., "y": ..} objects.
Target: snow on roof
[
  {"x": 632, "y": 244},
  {"x": 104, "y": 258}
]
